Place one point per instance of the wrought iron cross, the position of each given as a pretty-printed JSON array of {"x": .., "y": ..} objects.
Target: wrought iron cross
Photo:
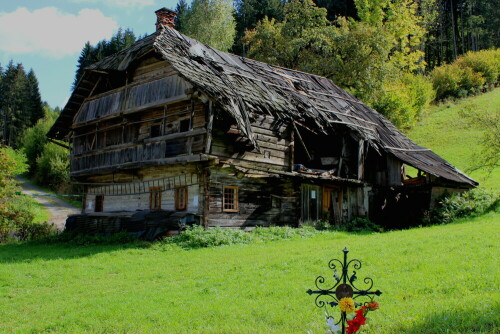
[{"x": 343, "y": 286}]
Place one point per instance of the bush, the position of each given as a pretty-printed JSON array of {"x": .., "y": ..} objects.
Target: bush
[
  {"x": 469, "y": 74},
  {"x": 446, "y": 81},
  {"x": 17, "y": 221},
  {"x": 483, "y": 63},
  {"x": 404, "y": 100},
  {"x": 197, "y": 237},
  {"x": 467, "y": 204},
  {"x": 361, "y": 225},
  {"x": 53, "y": 167}
]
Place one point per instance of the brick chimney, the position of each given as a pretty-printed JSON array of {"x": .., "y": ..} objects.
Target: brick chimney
[{"x": 165, "y": 16}]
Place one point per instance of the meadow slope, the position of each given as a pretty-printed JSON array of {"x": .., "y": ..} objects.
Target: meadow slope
[
  {"x": 434, "y": 280},
  {"x": 450, "y": 135}
]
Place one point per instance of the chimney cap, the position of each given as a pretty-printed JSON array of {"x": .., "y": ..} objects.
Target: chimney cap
[
  {"x": 165, "y": 17},
  {"x": 165, "y": 9}
]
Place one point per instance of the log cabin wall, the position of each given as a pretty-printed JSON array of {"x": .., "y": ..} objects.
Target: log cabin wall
[
  {"x": 131, "y": 192},
  {"x": 151, "y": 136},
  {"x": 261, "y": 201},
  {"x": 272, "y": 138},
  {"x": 149, "y": 121}
]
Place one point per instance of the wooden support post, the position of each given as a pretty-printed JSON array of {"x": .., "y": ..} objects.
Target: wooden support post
[
  {"x": 164, "y": 120},
  {"x": 292, "y": 150},
  {"x": 189, "y": 142},
  {"x": 210, "y": 123},
  {"x": 342, "y": 152},
  {"x": 205, "y": 178},
  {"x": 361, "y": 159},
  {"x": 302, "y": 142}
]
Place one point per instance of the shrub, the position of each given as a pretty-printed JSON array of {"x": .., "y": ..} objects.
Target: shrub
[
  {"x": 483, "y": 63},
  {"x": 469, "y": 74},
  {"x": 404, "y": 100},
  {"x": 467, "y": 204},
  {"x": 446, "y": 81},
  {"x": 53, "y": 166},
  {"x": 17, "y": 221},
  {"x": 197, "y": 237},
  {"x": 361, "y": 225}
]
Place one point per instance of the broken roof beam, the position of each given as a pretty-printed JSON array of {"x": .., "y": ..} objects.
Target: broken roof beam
[{"x": 302, "y": 142}]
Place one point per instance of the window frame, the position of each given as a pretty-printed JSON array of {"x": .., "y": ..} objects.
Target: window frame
[
  {"x": 235, "y": 199},
  {"x": 181, "y": 205},
  {"x": 155, "y": 198}
]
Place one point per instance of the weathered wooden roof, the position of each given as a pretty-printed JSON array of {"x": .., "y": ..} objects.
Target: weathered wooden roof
[{"x": 243, "y": 87}]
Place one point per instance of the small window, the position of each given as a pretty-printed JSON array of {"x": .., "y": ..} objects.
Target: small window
[
  {"x": 184, "y": 125},
  {"x": 99, "y": 203},
  {"x": 155, "y": 198},
  {"x": 181, "y": 198},
  {"x": 155, "y": 130},
  {"x": 230, "y": 199}
]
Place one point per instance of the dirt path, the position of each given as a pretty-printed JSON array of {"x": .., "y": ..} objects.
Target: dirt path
[{"x": 58, "y": 209}]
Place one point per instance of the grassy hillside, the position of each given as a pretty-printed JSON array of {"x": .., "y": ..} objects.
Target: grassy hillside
[
  {"x": 434, "y": 280},
  {"x": 448, "y": 134}
]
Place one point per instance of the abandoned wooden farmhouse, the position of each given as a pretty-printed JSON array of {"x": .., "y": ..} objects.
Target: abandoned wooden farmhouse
[{"x": 170, "y": 124}]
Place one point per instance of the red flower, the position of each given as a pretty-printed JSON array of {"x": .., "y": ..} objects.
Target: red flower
[
  {"x": 353, "y": 326},
  {"x": 373, "y": 306}
]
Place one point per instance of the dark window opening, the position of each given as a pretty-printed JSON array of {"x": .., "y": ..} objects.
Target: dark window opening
[
  {"x": 184, "y": 125},
  {"x": 113, "y": 137},
  {"x": 99, "y": 203},
  {"x": 155, "y": 130}
]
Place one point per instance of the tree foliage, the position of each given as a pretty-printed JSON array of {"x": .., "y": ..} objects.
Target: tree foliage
[
  {"x": 48, "y": 162},
  {"x": 210, "y": 22},
  {"x": 20, "y": 102}
]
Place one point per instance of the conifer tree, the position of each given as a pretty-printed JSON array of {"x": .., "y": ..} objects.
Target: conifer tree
[
  {"x": 181, "y": 9},
  {"x": 91, "y": 54}
]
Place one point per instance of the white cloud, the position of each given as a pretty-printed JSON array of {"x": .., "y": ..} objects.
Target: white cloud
[
  {"x": 51, "y": 32},
  {"x": 121, "y": 3}
]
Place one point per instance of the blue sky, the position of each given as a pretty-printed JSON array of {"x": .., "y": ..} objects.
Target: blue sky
[{"x": 48, "y": 35}]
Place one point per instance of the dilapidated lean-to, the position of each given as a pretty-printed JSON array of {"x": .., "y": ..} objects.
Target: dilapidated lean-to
[{"x": 172, "y": 124}]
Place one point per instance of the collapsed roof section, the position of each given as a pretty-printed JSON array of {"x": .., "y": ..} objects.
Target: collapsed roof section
[{"x": 243, "y": 87}]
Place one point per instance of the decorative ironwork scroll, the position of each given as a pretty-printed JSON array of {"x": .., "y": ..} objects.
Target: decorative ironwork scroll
[{"x": 343, "y": 285}]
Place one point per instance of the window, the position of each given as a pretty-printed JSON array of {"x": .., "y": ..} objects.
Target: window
[
  {"x": 181, "y": 198},
  {"x": 230, "y": 199},
  {"x": 184, "y": 126},
  {"x": 155, "y": 130},
  {"x": 99, "y": 203},
  {"x": 155, "y": 198}
]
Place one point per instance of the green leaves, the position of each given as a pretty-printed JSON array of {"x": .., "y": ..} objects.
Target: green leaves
[{"x": 211, "y": 22}]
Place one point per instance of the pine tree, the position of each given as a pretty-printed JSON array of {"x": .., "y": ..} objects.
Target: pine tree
[
  {"x": 34, "y": 102},
  {"x": 91, "y": 54},
  {"x": 181, "y": 9},
  {"x": 20, "y": 102}
]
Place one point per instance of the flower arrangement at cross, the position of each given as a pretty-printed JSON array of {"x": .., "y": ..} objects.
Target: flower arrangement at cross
[{"x": 348, "y": 306}]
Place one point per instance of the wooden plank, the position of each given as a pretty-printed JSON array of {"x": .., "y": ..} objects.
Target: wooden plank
[{"x": 210, "y": 123}]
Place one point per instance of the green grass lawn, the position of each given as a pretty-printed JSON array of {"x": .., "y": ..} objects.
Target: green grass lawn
[
  {"x": 444, "y": 131},
  {"x": 440, "y": 279}
]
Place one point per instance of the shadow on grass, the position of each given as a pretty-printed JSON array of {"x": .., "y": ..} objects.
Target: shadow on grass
[
  {"x": 55, "y": 248},
  {"x": 484, "y": 320}
]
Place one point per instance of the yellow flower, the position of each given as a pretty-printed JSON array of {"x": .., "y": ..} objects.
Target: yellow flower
[{"x": 347, "y": 305}]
